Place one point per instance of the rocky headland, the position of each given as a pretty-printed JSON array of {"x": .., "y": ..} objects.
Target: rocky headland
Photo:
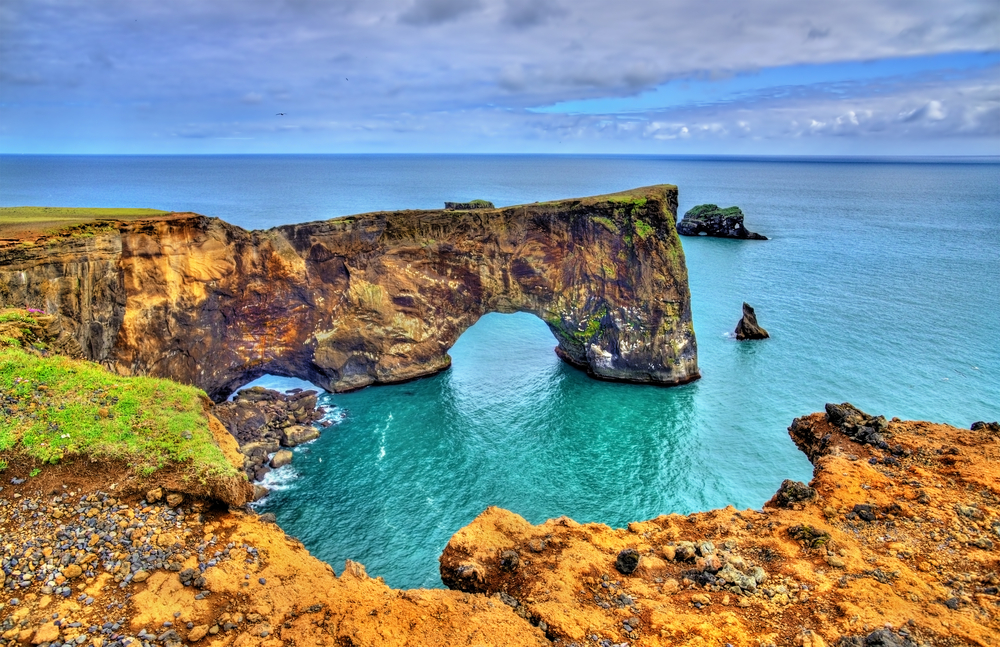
[
  {"x": 368, "y": 299},
  {"x": 710, "y": 220}
]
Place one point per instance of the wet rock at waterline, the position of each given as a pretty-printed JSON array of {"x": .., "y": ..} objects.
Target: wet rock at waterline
[
  {"x": 264, "y": 422},
  {"x": 748, "y": 328}
]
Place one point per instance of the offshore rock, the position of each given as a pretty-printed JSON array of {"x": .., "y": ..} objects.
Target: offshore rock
[
  {"x": 748, "y": 328},
  {"x": 368, "y": 299},
  {"x": 710, "y": 220}
]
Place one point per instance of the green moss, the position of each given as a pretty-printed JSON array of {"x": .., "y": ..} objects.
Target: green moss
[
  {"x": 593, "y": 326},
  {"x": 629, "y": 200},
  {"x": 16, "y": 315},
  {"x": 607, "y": 223},
  {"x": 57, "y": 408},
  {"x": 642, "y": 230}
]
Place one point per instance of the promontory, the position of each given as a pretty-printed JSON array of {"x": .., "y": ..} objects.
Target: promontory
[{"x": 367, "y": 299}]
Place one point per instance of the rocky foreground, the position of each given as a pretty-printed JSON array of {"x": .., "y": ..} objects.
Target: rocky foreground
[{"x": 894, "y": 542}]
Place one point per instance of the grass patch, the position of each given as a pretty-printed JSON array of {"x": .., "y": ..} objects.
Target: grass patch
[
  {"x": 607, "y": 222},
  {"x": 642, "y": 229},
  {"x": 54, "y": 408},
  {"x": 25, "y": 222},
  {"x": 21, "y": 215}
]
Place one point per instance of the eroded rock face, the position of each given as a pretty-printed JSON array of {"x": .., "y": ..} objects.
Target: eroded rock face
[
  {"x": 710, "y": 220},
  {"x": 375, "y": 298}
]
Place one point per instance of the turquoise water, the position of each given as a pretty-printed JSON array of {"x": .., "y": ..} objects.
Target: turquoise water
[{"x": 880, "y": 285}]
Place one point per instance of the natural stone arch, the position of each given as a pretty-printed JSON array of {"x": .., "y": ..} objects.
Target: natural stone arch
[{"x": 381, "y": 297}]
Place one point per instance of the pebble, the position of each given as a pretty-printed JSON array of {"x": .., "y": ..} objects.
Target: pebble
[{"x": 77, "y": 537}]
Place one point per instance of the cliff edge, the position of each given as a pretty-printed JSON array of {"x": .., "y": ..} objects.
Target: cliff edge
[{"x": 368, "y": 299}]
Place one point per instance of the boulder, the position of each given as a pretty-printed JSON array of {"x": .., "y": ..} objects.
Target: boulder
[
  {"x": 627, "y": 561},
  {"x": 748, "y": 328},
  {"x": 986, "y": 426},
  {"x": 710, "y": 220},
  {"x": 792, "y": 492},
  {"x": 858, "y": 425},
  {"x": 282, "y": 458},
  {"x": 298, "y": 434}
]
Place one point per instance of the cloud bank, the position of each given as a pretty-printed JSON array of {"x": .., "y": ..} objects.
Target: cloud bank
[{"x": 490, "y": 75}]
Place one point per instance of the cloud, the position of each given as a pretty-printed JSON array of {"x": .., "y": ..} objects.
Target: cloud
[
  {"x": 931, "y": 111},
  {"x": 529, "y": 13},
  {"x": 434, "y": 12},
  {"x": 478, "y": 73}
]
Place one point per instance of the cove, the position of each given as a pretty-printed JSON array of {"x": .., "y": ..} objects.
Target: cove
[{"x": 508, "y": 425}]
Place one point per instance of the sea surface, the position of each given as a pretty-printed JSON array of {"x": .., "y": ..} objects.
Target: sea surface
[{"x": 880, "y": 286}]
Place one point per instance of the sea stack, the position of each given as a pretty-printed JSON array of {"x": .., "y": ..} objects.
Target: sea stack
[
  {"x": 748, "y": 328},
  {"x": 710, "y": 220}
]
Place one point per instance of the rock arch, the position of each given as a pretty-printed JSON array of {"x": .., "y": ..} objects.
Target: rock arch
[{"x": 381, "y": 297}]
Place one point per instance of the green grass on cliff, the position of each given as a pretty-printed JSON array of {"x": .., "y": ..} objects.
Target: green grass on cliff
[
  {"x": 71, "y": 214},
  {"x": 54, "y": 408},
  {"x": 25, "y": 222}
]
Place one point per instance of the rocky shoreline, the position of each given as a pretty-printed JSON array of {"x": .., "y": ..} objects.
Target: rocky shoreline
[
  {"x": 893, "y": 543},
  {"x": 267, "y": 424}
]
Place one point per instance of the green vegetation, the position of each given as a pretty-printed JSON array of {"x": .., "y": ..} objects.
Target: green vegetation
[
  {"x": 607, "y": 222},
  {"x": 71, "y": 214},
  {"x": 16, "y": 315},
  {"x": 705, "y": 210},
  {"x": 642, "y": 230},
  {"x": 54, "y": 408},
  {"x": 20, "y": 222},
  {"x": 480, "y": 204},
  {"x": 629, "y": 200},
  {"x": 593, "y": 325},
  {"x": 3, "y": 465}
]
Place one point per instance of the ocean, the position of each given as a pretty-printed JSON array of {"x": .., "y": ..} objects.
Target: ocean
[{"x": 880, "y": 285}]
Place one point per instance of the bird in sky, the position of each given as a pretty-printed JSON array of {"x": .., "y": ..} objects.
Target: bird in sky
[{"x": 279, "y": 114}]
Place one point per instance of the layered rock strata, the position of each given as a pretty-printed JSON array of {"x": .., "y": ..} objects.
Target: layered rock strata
[
  {"x": 375, "y": 298},
  {"x": 710, "y": 220}
]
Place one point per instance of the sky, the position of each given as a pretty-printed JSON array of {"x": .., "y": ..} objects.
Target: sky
[{"x": 713, "y": 77}]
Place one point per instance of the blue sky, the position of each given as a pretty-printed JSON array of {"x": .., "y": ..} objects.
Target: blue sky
[{"x": 540, "y": 76}]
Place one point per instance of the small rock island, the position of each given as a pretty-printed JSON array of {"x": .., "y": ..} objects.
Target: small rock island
[
  {"x": 710, "y": 220},
  {"x": 748, "y": 328}
]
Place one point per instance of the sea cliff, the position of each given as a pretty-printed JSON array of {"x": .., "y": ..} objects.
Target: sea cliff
[{"x": 369, "y": 299}]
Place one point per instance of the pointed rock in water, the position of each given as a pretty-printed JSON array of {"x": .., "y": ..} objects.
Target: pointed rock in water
[
  {"x": 748, "y": 328},
  {"x": 710, "y": 220}
]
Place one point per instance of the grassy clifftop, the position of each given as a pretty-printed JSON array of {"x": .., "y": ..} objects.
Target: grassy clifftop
[{"x": 54, "y": 409}]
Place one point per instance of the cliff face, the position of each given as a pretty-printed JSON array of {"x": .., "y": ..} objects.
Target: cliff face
[{"x": 376, "y": 298}]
